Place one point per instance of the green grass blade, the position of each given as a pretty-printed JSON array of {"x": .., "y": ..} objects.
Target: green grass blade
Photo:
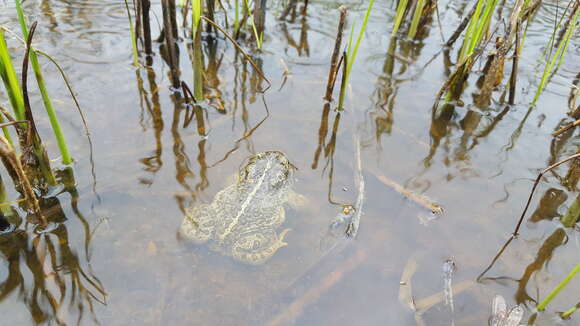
[
  {"x": 196, "y": 9},
  {"x": 352, "y": 55},
  {"x": 66, "y": 158},
  {"x": 469, "y": 34},
  {"x": 10, "y": 80},
  {"x": 557, "y": 56},
  {"x": 401, "y": 8},
  {"x": 256, "y": 36},
  {"x": 416, "y": 18},
  {"x": 236, "y": 16},
  {"x": 542, "y": 306},
  {"x": 133, "y": 37}
]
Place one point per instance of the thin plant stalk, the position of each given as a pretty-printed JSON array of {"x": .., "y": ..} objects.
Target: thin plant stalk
[
  {"x": 566, "y": 314},
  {"x": 239, "y": 48},
  {"x": 258, "y": 37},
  {"x": 133, "y": 36},
  {"x": 197, "y": 67},
  {"x": 236, "y": 16},
  {"x": 334, "y": 62},
  {"x": 470, "y": 31},
  {"x": 401, "y": 8},
  {"x": 196, "y": 10},
  {"x": 351, "y": 52},
  {"x": 478, "y": 25},
  {"x": 558, "y": 56},
  {"x": 31, "y": 144},
  {"x": 542, "y": 306},
  {"x": 10, "y": 80},
  {"x": 416, "y": 18},
  {"x": 61, "y": 141}
]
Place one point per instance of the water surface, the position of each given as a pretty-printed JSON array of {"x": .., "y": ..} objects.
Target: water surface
[{"x": 113, "y": 257}]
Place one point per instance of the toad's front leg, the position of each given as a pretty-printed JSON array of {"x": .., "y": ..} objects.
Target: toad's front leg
[{"x": 198, "y": 224}]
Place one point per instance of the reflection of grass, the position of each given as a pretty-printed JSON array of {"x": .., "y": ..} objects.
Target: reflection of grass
[{"x": 46, "y": 274}]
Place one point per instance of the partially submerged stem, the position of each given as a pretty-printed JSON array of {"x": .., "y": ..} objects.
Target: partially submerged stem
[
  {"x": 7, "y": 152},
  {"x": 334, "y": 65}
]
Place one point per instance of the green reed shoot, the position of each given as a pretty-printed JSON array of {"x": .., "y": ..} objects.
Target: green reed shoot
[
  {"x": 401, "y": 8},
  {"x": 133, "y": 36},
  {"x": 5, "y": 208},
  {"x": 11, "y": 85},
  {"x": 566, "y": 314},
  {"x": 66, "y": 158},
  {"x": 197, "y": 68},
  {"x": 259, "y": 38},
  {"x": 196, "y": 10},
  {"x": 478, "y": 26},
  {"x": 10, "y": 80},
  {"x": 352, "y": 51},
  {"x": 236, "y": 16},
  {"x": 542, "y": 306},
  {"x": 416, "y": 18},
  {"x": 558, "y": 55}
]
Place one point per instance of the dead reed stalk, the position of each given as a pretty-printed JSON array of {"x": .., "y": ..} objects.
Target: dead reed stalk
[{"x": 334, "y": 64}]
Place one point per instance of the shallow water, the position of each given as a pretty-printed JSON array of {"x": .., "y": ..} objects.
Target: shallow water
[{"x": 112, "y": 255}]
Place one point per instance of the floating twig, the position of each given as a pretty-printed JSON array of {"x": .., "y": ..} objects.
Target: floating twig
[{"x": 422, "y": 201}]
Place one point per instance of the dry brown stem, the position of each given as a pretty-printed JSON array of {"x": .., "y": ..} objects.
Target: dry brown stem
[{"x": 334, "y": 64}]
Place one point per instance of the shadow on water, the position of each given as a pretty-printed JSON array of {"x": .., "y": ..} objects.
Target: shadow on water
[{"x": 43, "y": 269}]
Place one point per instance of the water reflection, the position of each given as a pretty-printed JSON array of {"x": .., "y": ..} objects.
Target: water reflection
[
  {"x": 301, "y": 46},
  {"x": 63, "y": 288},
  {"x": 327, "y": 146},
  {"x": 188, "y": 146}
]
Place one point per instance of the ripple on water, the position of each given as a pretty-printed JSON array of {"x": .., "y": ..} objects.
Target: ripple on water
[{"x": 98, "y": 47}]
